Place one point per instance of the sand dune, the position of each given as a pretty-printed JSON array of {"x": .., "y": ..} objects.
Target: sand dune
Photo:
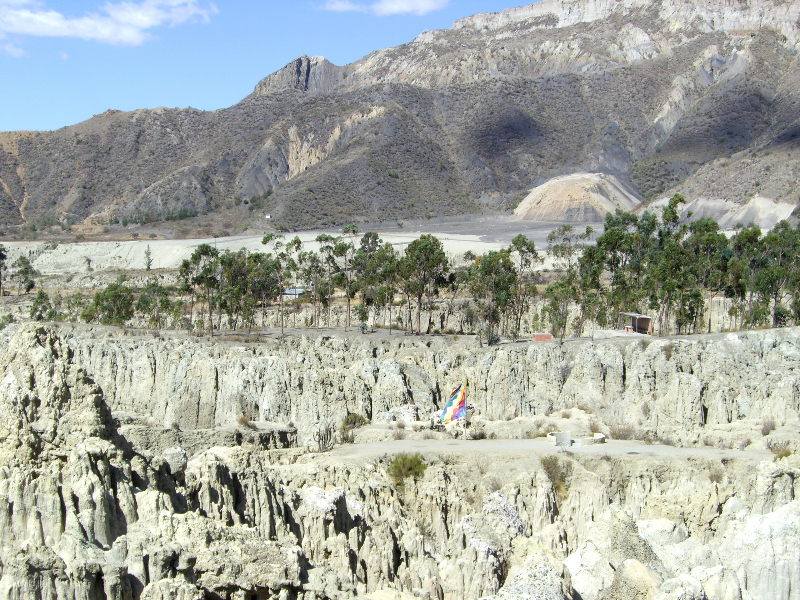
[{"x": 580, "y": 197}]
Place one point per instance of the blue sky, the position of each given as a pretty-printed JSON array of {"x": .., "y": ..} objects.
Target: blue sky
[{"x": 61, "y": 62}]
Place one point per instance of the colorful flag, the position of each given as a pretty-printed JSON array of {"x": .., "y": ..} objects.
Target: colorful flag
[{"x": 456, "y": 407}]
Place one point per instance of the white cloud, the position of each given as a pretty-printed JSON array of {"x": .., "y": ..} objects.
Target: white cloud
[
  {"x": 13, "y": 50},
  {"x": 122, "y": 24},
  {"x": 344, "y": 6},
  {"x": 388, "y": 7}
]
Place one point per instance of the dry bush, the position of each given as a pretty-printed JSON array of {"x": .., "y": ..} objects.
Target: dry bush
[
  {"x": 780, "y": 449},
  {"x": 493, "y": 484},
  {"x": 566, "y": 414},
  {"x": 767, "y": 426},
  {"x": 622, "y": 431},
  {"x": 399, "y": 434},
  {"x": 478, "y": 434},
  {"x": 400, "y": 424},
  {"x": 584, "y": 408},
  {"x": 175, "y": 425},
  {"x": 428, "y": 435},
  {"x": 483, "y": 466},
  {"x": 594, "y": 426},
  {"x": 744, "y": 443},
  {"x": 557, "y": 471},
  {"x": 245, "y": 421},
  {"x": 716, "y": 474},
  {"x": 707, "y": 441}
]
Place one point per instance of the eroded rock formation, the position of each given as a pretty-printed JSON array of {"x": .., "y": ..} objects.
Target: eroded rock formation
[{"x": 86, "y": 512}]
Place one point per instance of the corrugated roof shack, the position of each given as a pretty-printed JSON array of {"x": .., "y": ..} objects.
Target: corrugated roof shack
[{"x": 636, "y": 323}]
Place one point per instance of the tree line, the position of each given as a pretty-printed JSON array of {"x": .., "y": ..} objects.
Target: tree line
[{"x": 644, "y": 263}]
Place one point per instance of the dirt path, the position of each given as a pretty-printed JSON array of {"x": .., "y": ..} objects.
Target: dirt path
[{"x": 495, "y": 449}]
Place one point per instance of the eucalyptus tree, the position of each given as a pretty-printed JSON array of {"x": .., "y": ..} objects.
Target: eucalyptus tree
[
  {"x": 493, "y": 281},
  {"x": 283, "y": 263},
  {"x": 344, "y": 251},
  {"x": 782, "y": 253},
  {"x": 326, "y": 245},
  {"x": 526, "y": 258},
  {"x": 311, "y": 267},
  {"x": 424, "y": 268},
  {"x": 708, "y": 248},
  {"x": 154, "y": 302},
  {"x": 205, "y": 262}
]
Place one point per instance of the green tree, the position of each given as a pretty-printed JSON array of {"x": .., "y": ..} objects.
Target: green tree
[
  {"x": 154, "y": 302},
  {"x": 112, "y": 306},
  {"x": 41, "y": 309},
  {"x": 205, "y": 263},
  {"x": 494, "y": 282},
  {"x": 148, "y": 258},
  {"x": 24, "y": 274},
  {"x": 526, "y": 258},
  {"x": 423, "y": 268}
]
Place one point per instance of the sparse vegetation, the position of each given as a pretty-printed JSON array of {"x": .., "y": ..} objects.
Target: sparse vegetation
[
  {"x": 622, "y": 431},
  {"x": 404, "y": 466},
  {"x": 780, "y": 449},
  {"x": 767, "y": 426},
  {"x": 558, "y": 472},
  {"x": 716, "y": 474}
]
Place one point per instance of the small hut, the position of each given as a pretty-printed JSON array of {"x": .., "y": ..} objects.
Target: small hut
[{"x": 636, "y": 323}]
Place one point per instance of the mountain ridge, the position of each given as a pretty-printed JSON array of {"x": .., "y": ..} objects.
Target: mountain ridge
[{"x": 667, "y": 96}]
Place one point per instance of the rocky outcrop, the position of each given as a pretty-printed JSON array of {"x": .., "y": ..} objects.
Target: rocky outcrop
[
  {"x": 680, "y": 388},
  {"x": 314, "y": 74},
  {"x": 85, "y": 513}
]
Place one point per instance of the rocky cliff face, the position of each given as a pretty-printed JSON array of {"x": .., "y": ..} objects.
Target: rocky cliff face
[
  {"x": 682, "y": 388},
  {"x": 84, "y": 513},
  {"x": 654, "y": 93}
]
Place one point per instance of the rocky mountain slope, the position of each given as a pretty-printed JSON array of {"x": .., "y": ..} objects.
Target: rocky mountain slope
[
  {"x": 659, "y": 93},
  {"x": 97, "y": 501}
]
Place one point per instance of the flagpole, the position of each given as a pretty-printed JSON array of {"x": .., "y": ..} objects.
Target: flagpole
[{"x": 465, "y": 410}]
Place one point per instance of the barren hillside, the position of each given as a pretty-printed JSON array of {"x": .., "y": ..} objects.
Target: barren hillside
[{"x": 702, "y": 96}]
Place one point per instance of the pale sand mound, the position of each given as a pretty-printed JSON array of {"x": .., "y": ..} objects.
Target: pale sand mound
[
  {"x": 761, "y": 211},
  {"x": 577, "y": 198}
]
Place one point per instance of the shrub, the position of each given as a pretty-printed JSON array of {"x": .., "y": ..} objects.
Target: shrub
[
  {"x": 399, "y": 434},
  {"x": 351, "y": 422},
  {"x": 405, "y": 465},
  {"x": 479, "y": 434},
  {"x": 112, "y": 306},
  {"x": 716, "y": 474},
  {"x": 594, "y": 426},
  {"x": 245, "y": 421},
  {"x": 744, "y": 443},
  {"x": 354, "y": 420},
  {"x": 557, "y": 472},
  {"x": 621, "y": 431},
  {"x": 428, "y": 435},
  {"x": 566, "y": 414},
  {"x": 780, "y": 449},
  {"x": 400, "y": 424},
  {"x": 767, "y": 426},
  {"x": 41, "y": 308}
]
